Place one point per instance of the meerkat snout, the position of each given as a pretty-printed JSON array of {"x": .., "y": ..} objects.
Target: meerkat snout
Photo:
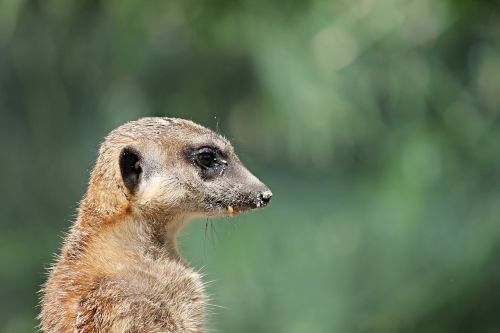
[{"x": 264, "y": 198}]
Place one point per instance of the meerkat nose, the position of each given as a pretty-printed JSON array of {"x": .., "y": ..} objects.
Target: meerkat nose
[{"x": 265, "y": 197}]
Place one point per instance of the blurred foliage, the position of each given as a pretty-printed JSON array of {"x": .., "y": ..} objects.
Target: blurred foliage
[{"x": 376, "y": 124}]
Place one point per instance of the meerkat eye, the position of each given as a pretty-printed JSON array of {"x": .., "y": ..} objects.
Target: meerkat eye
[
  {"x": 210, "y": 160},
  {"x": 207, "y": 158}
]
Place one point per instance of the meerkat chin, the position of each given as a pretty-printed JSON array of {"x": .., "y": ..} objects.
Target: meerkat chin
[{"x": 119, "y": 269}]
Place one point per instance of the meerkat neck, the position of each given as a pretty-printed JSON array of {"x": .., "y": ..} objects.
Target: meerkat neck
[
  {"x": 164, "y": 235},
  {"x": 148, "y": 238},
  {"x": 121, "y": 235}
]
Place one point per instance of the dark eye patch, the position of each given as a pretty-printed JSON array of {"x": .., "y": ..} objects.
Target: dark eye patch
[
  {"x": 210, "y": 161},
  {"x": 207, "y": 158}
]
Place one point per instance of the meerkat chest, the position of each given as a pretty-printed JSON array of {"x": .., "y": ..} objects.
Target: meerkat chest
[
  {"x": 174, "y": 283},
  {"x": 168, "y": 291}
]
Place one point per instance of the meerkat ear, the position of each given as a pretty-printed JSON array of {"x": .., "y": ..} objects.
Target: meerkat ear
[{"x": 131, "y": 168}]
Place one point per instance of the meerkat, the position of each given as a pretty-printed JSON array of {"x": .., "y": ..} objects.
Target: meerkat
[{"x": 119, "y": 269}]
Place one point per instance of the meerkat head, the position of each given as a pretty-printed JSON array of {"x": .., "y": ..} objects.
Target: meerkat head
[{"x": 174, "y": 166}]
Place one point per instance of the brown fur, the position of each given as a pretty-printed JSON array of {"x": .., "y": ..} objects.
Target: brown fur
[{"x": 119, "y": 269}]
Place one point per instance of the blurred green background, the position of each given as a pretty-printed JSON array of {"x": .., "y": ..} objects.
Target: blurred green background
[{"x": 375, "y": 123}]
